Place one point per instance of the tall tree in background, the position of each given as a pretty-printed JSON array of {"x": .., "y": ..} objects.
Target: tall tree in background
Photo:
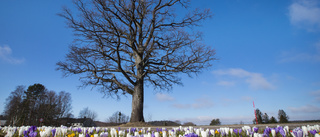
[
  {"x": 259, "y": 117},
  {"x": 273, "y": 120},
  {"x": 13, "y": 107},
  {"x": 265, "y": 118},
  {"x": 86, "y": 112},
  {"x": 282, "y": 116},
  {"x": 124, "y": 44},
  {"x": 118, "y": 117},
  {"x": 27, "y": 107}
]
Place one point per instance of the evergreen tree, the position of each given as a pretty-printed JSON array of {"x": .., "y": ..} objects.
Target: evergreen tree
[
  {"x": 265, "y": 118},
  {"x": 283, "y": 117},
  {"x": 259, "y": 117},
  {"x": 273, "y": 120}
]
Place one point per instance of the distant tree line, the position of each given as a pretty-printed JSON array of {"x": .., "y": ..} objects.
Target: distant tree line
[
  {"x": 36, "y": 105},
  {"x": 264, "y": 118}
]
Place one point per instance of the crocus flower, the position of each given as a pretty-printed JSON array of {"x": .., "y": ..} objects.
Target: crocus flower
[
  {"x": 191, "y": 135},
  {"x": 273, "y": 132},
  {"x": 156, "y": 134},
  {"x": 53, "y": 131},
  {"x": 79, "y": 130},
  {"x": 282, "y": 132},
  {"x": 313, "y": 132},
  {"x": 25, "y": 133},
  {"x": 32, "y": 134},
  {"x": 255, "y": 129}
]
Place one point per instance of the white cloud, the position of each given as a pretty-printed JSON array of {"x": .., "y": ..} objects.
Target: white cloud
[
  {"x": 305, "y": 109},
  {"x": 255, "y": 80},
  {"x": 247, "y": 98},
  {"x": 164, "y": 97},
  {"x": 305, "y": 14},
  {"x": 316, "y": 94},
  {"x": 197, "y": 104},
  {"x": 5, "y": 55},
  {"x": 293, "y": 56},
  {"x": 226, "y": 83},
  {"x": 181, "y": 106},
  {"x": 202, "y": 103}
]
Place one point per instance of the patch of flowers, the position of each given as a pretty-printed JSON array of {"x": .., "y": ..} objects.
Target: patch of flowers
[{"x": 245, "y": 131}]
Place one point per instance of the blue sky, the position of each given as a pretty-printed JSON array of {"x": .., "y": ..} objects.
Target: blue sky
[{"x": 268, "y": 50}]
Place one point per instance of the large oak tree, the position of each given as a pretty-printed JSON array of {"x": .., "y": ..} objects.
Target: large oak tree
[{"x": 122, "y": 45}]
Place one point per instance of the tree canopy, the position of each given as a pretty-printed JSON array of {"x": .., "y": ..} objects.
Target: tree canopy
[
  {"x": 27, "y": 107},
  {"x": 122, "y": 45}
]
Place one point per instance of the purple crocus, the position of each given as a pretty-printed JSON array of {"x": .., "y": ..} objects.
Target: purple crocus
[
  {"x": 255, "y": 129},
  {"x": 32, "y": 134},
  {"x": 53, "y": 132},
  {"x": 249, "y": 132},
  {"x": 25, "y": 133},
  {"x": 266, "y": 132},
  {"x": 133, "y": 129},
  {"x": 191, "y": 135},
  {"x": 79, "y": 130},
  {"x": 282, "y": 132},
  {"x": 277, "y": 129},
  {"x": 235, "y": 131},
  {"x": 313, "y": 132},
  {"x": 87, "y": 135},
  {"x": 104, "y": 135}
]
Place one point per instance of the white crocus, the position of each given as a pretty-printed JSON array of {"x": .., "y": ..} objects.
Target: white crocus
[
  {"x": 129, "y": 135},
  {"x": 164, "y": 134},
  {"x": 204, "y": 134},
  {"x": 305, "y": 131},
  {"x": 212, "y": 132},
  {"x": 156, "y": 134},
  {"x": 273, "y": 132}
]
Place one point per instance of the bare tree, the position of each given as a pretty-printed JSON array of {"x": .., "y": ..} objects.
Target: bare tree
[
  {"x": 86, "y": 112},
  {"x": 124, "y": 44},
  {"x": 118, "y": 117},
  {"x": 13, "y": 107},
  {"x": 64, "y": 104}
]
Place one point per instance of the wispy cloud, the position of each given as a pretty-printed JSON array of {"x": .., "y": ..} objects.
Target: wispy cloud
[
  {"x": 292, "y": 56},
  {"x": 316, "y": 94},
  {"x": 305, "y": 109},
  {"x": 305, "y": 14},
  {"x": 198, "y": 103},
  {"x": 254, "y": 80},
  {"x": 5, "y": 55},
  {"x": 246, "y": 98},
  {"x": 163, "y": 97},
  {"x": 226, "y": 83}
]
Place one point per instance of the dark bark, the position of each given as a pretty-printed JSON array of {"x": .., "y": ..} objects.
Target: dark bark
[{"x": 137, "y": 103}]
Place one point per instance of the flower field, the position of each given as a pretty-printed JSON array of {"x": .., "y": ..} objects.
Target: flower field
[{"x": 245, "y": 131}]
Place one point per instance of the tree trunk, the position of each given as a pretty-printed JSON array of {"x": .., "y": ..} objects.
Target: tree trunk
[{"x": 137, "y": 102}]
